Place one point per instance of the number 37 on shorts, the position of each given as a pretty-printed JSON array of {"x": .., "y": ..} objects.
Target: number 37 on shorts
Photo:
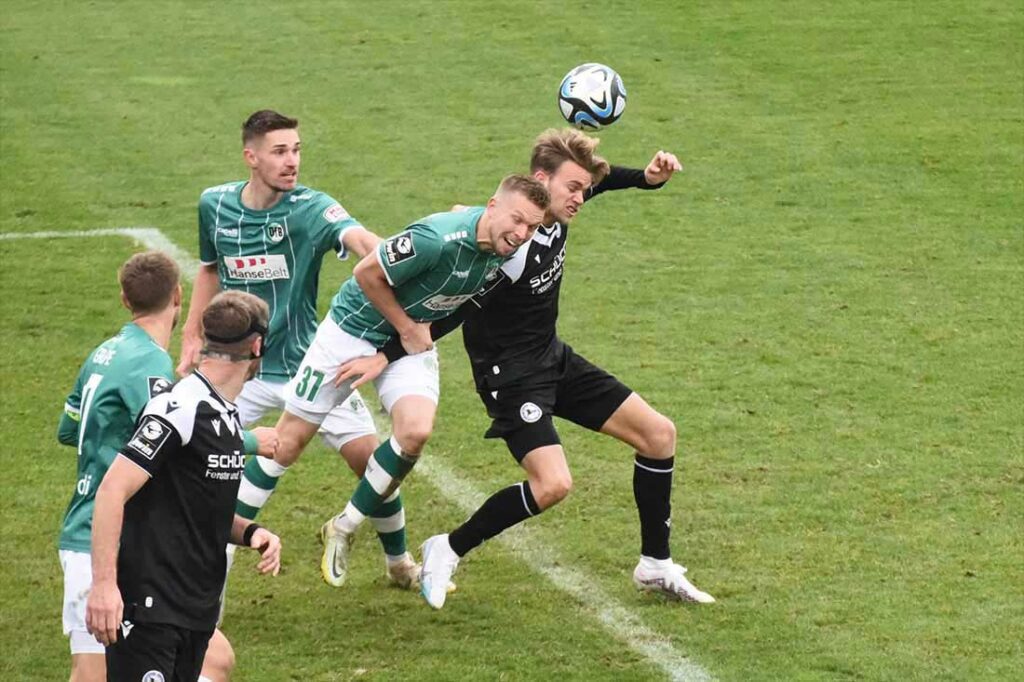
[{"x": 307, "y": 383}]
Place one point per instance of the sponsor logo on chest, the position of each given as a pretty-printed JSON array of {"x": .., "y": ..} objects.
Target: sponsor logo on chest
[
  {"x": 257, "y": 268},
  {"x": 223, "y": 467},
  {"x": 545, "y": 280},
  {"x": 439, "y": 303}
]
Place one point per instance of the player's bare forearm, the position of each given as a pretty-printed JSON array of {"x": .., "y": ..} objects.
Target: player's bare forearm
[
  {"x": 205, "y": 287},
  {"x": 260, "y": 539},
  {"x": 360, "y": 241},
  {"x": 107, "y": 520}
]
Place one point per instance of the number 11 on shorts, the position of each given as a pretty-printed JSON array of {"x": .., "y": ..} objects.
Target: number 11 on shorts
[{"x": 309, "y": 385}]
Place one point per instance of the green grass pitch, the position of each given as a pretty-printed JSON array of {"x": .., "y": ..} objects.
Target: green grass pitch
[{"x": 828, "y": 302}]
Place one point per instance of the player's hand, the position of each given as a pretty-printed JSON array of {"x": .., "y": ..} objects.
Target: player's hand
[
  {"x": 460, "y": 207},
  {"x": 103, "y": 612},
  {"x": 416, "y": 339},
  {"x": 361, "y": 370},
  {"x": 190, "y": 347},
  {"x": 266, "y": 441},
  {"x": 269, "y": 547},
  {"x": 661, "y": 168}
]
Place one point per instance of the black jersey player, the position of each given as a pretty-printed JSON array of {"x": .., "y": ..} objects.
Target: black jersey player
[
  {"x": 525, "y": 375},
  {"x": 165, "y": 509}
]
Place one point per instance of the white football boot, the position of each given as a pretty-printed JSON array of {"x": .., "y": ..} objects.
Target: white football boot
[
  {"x": 337, "y": 545},
  {"x": 667, "y": 577},
  {"x": 439, "y": 563}
]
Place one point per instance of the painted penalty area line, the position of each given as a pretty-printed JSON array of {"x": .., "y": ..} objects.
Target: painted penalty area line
[{"x": 522, "y": 540}]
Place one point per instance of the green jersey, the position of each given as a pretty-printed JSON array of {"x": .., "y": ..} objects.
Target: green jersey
[
  {"x": 114, "y": 384},
  {"x": 434, "y": 267},
  {"x": 276, "y": 255}
]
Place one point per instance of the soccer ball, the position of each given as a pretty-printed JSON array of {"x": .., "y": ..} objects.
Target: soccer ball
[{"x": 591, "y": 96}]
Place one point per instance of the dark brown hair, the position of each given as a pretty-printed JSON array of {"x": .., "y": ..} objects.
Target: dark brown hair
[
  {"x": 148, "y": 281},
  {"x": 264, "y": 121}
]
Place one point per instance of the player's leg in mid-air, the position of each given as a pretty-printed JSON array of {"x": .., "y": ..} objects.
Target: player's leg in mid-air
[
  {"x": 409, "y": 391},
  {"x": 522, "y": 416},
  {"x": 596, "y": 400}
]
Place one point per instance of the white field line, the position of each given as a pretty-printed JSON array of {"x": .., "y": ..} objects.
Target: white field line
[{"x": 523, "y": 541}]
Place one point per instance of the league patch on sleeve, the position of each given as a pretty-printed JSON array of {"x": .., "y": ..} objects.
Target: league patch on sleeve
[
  {"x": 149, "y": 437},
  {"x": 157, "y": 385},
  {"x": 335, "y": 213},
  {"x": 399, "y": 248}
]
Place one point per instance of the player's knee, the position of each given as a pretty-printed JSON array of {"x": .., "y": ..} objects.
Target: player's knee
[
  {"x": 660, "y": 438},
  {"x": 220, "y": 658},
  {"x": 551, "y": 490},
  {"x": 413, "y": 439},
  {"x": 356, "y": 453}
]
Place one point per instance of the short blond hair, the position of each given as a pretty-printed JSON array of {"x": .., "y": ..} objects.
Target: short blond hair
[
  {"x": 531, "y": 188},
  {"x": 555, "y": 146}
]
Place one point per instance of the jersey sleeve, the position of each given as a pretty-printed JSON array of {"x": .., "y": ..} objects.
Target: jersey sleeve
[
  {"x": 71, "y": 417},
  {"x": 329, "y": 226},
  {"x": 409, "y": 253},
  {"x": 207, "y": 245},
  {"x": 621, "y": 178},
  {"x": 160, "y": 432},
  {"x": 152, "y": 376}
]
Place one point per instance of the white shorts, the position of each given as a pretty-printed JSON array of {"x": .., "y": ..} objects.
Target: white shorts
[
  {"x": 312, "y": 395},
  {"x": 350, "y": 420},
  {"x": 77, "y": 567}
]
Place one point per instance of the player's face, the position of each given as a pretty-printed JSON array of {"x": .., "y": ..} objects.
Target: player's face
[
  {"x": 513, "y": 220},
  {"x": 274, "y": 159},
  {"x": 566, "y": 186}
]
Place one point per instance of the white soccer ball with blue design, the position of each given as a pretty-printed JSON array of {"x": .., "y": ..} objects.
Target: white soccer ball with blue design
[{"x": 591, "y": 96}]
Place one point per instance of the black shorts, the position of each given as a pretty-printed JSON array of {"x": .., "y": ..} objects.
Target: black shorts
[
  {"x": 154, "y": 652},
  {"x": 576, "y": 390}
]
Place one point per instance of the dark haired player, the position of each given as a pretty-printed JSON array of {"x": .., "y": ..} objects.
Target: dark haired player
[
  {"x": 165, "y": 510},
  {"x": 268, "y": 236}
]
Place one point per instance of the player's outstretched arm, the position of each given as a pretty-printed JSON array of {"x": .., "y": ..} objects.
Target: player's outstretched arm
[
  {"x": 247, "y": 533},
  {"x": 104, "y": 607},
  {"x": 661, "y": 168},
  {"x": 205, "y": 287}
]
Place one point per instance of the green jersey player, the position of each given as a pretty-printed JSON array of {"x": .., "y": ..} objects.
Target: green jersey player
[
  {"x": 267, "y": 236},
  {"x": 419, "y": 275},
  {"x": 115, "y": 383}
]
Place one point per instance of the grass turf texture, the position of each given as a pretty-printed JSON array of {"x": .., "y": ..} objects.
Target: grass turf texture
[{"x": 827, "y": 302}]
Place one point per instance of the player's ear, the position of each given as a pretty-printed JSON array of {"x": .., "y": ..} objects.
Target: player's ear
[
  {"x": 125, "y": 303},
  {"x": 249, "y": 155},
  {"x": 177, "y": 297},
  {"x": 541, "y": 176}
]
